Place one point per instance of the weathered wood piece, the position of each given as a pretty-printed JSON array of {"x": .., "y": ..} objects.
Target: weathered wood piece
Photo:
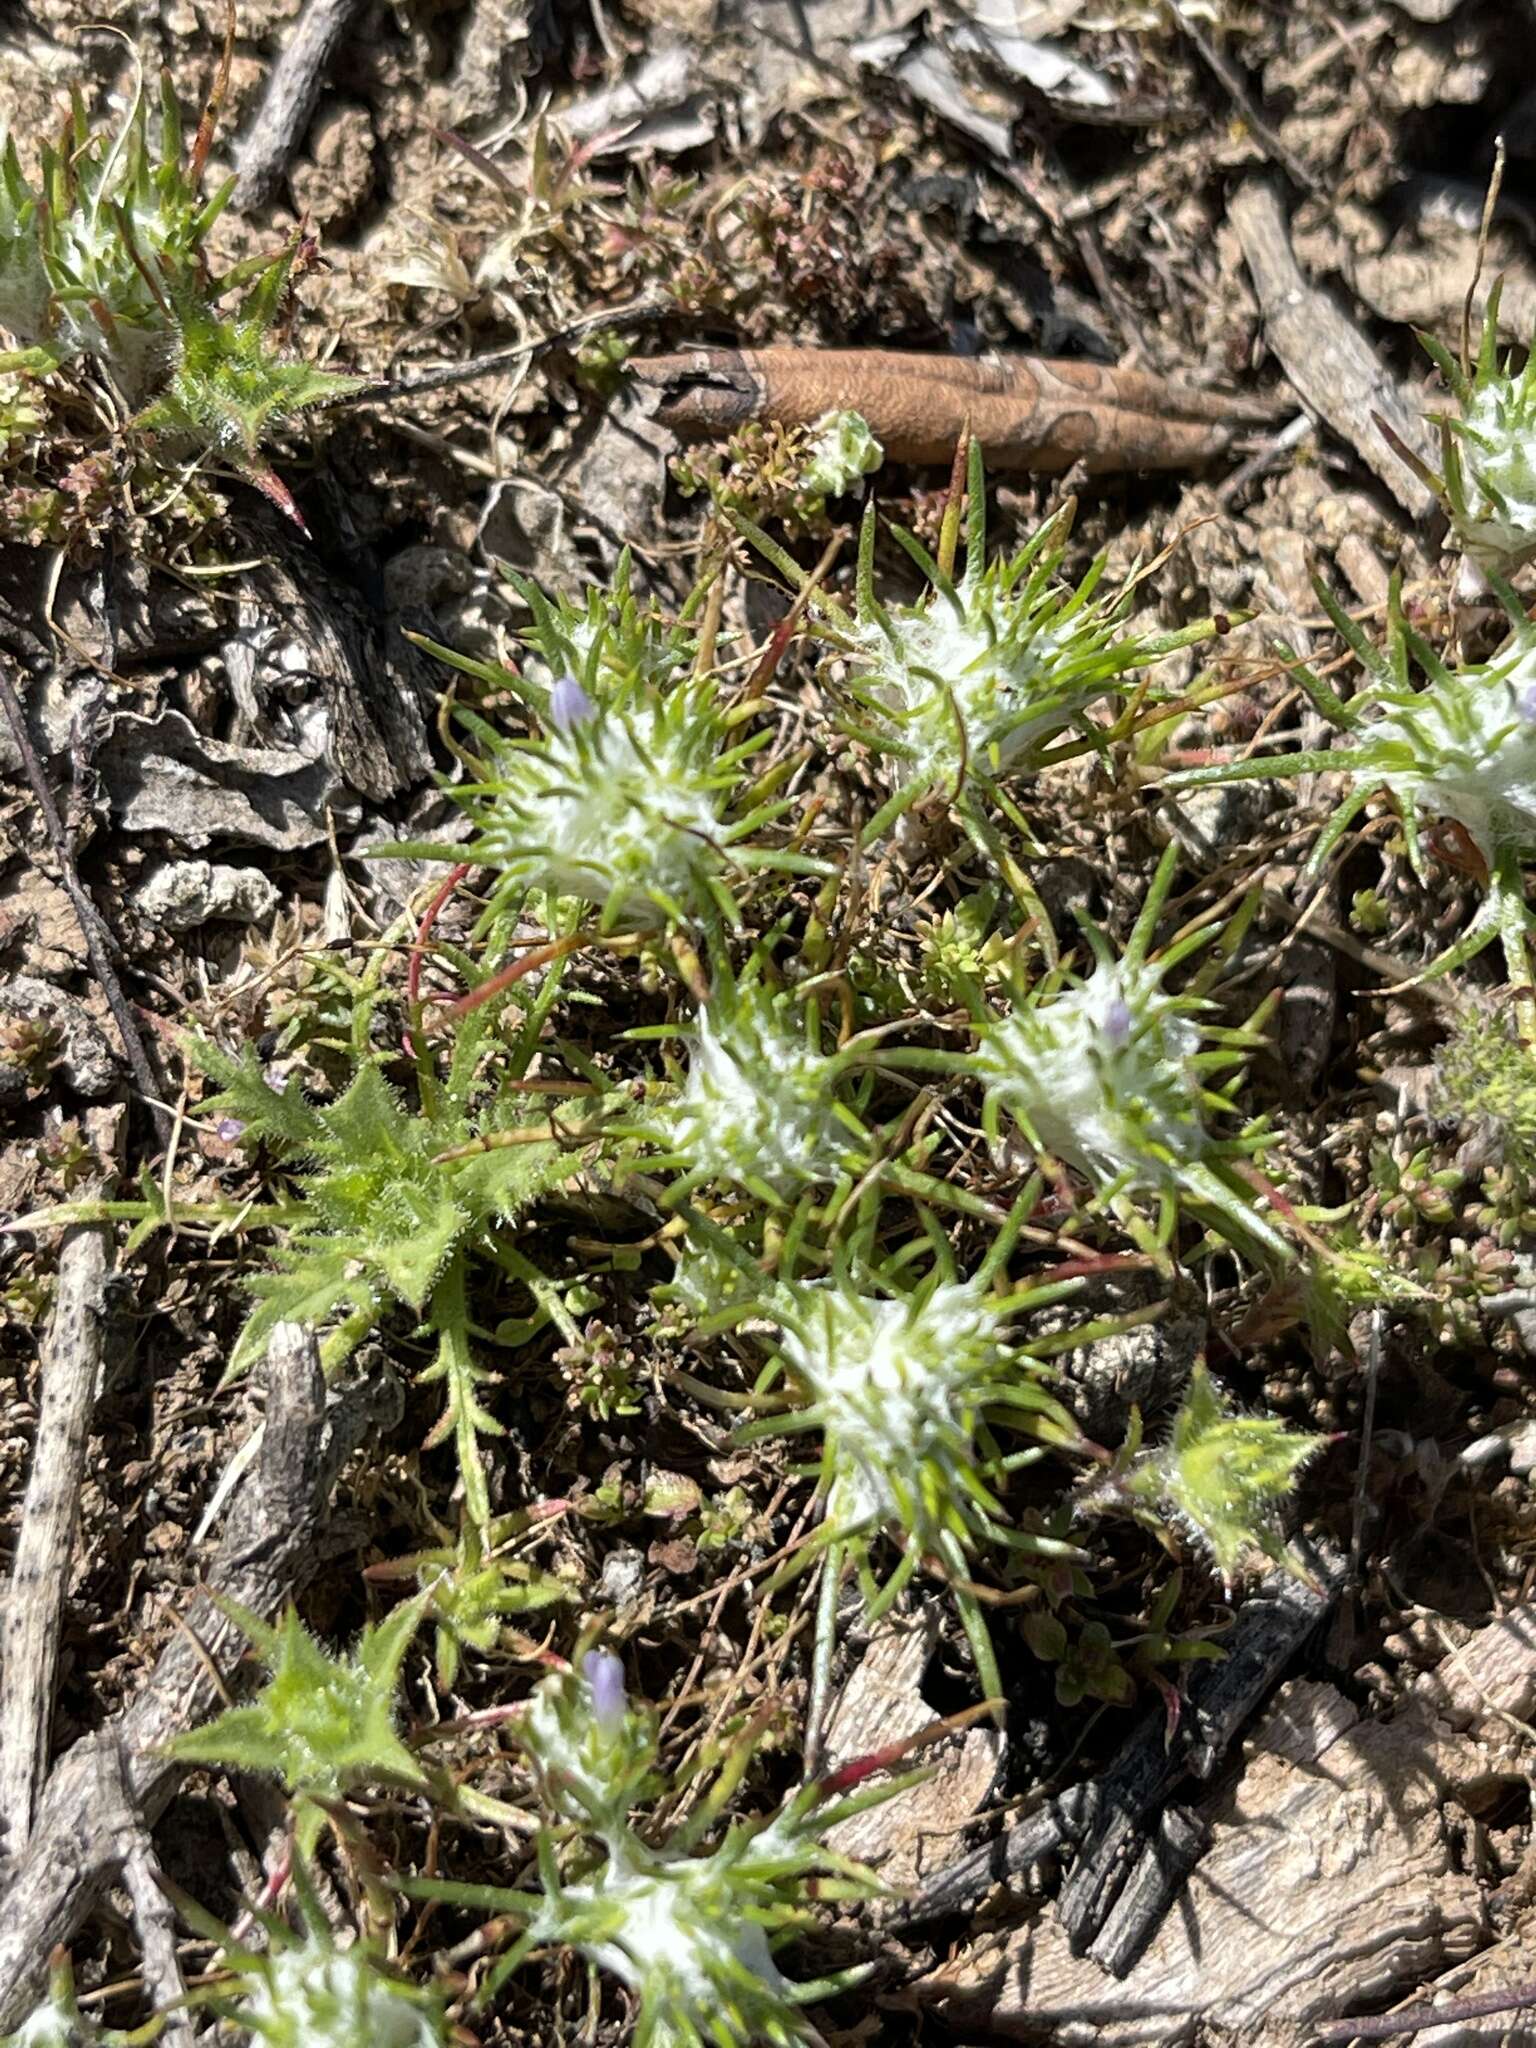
[
  {"x": 918, "y": 1834},
  {"x": 1333, "y": 367},
  {"x": 1128, "y": 1856},
  {"x": 78, "y": 1842},
  {"x": 70, "y": 1366},
  {"x": 1028, "y": 412},
  {"x": 1331, "y": 1884}
]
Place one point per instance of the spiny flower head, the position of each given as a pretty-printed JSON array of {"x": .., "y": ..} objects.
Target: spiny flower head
[
  {"x": 691, "y": 1931},
  {"x": 637, "y": 793},
  {"x": 985, "y": 677},
  {"x": 105, "y": 260},
  {"x": 1111, "y": 1075},
  {"x": 1458, "y": 748},
  {"x": 907, "y": 1380},
  {"x": 1488, "y": 453},
  {"x": 312, "y": 1994},
  {"x": 761, "y": 1105}
]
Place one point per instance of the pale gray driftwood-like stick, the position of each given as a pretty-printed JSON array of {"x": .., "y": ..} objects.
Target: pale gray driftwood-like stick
[
  {"x": 1333, "y": 367},
  {"x": 293, "y": 93},
  {"x": 71, "y": 1363},
  {"x": 268, "y": 1549},
  {"x": 154, "y": 1917}
]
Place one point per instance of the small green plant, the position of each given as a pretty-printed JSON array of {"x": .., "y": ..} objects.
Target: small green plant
[
  {"x": 104, "y": 262},
  {"x": 1113, "y": 1075},
  {"x": 1487, "y": 1070},
  {"x": 762, "y": 1107},
  {"x": 912, "y": 1385},
  {"x": 691, "y": 1930},
  {"x": 637, "y": 793},
  {"x": 1488, "y": 468},
  {"x": 385, "y": 1206},
  {"x": 767, "y": 471},
  {"x": 1458, "y": 748},
  {"x": 472, "y": 1590},
  {"x": 986, "y": 678},
  {"x": 1221, "y": 1478},
  {"x": 323, "y": 1725}
]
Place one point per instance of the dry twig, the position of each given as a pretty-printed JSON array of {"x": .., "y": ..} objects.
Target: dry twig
[
  {"x": 268, "y": 1549},
  {"x": 71, "y": 1361}
]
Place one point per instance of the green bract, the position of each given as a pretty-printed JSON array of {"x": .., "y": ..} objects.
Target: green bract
[
  {"x": 1458, "y": 747},
  {"x": 1222, "y": 1476},
  {"x": 637, "y": 794},
  {"x": 691, "y": 1931},
  {"x": 323, "y": 1725},
  {"x": 104, "y": 261}
]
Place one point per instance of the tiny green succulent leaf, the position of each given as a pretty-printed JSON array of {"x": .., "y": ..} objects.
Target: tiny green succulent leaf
[
  {"x": 323, "y": 1725},
  {"x": 842, "y": 449},
  {"x": 1223, "y": 1476}
]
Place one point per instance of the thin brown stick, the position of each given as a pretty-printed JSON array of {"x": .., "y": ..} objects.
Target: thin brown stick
[{"x": 293, "y": 93}]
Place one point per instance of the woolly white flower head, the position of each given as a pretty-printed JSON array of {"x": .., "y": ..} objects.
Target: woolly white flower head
[
  {"x": 982, "y": 677},
  {"x": 1488, "y": 480},
  {"x": 1460, "y": 747},
  {"x": 894, "y": 1384},
  {"x": 314, "y": 1995},
  {"x": 691, "y": 1933},
  {"x": 1098, "y": 1075},
  {"x": 759, "y": 1108},
  {"x": 1112, "y": 1075}
]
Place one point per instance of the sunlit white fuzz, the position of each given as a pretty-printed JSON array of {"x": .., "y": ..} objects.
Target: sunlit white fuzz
[
  {"x": 910, "y": 1382},
  {"x": 692, "y": 1932},
  {"x": 760, "y": 1106},
  {"x": 636, "y": 793},
  {"x": 894, "y": 1386},
  {"x": 314, "y": 1995},
  {"x": 983, "y": 677}
]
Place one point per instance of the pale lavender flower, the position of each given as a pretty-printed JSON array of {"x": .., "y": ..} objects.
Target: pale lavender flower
[
  {"x": 605, "y": 1678},
  {"x": 1117, "y": 1023},
  {"x": 569, "y": 704}
]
